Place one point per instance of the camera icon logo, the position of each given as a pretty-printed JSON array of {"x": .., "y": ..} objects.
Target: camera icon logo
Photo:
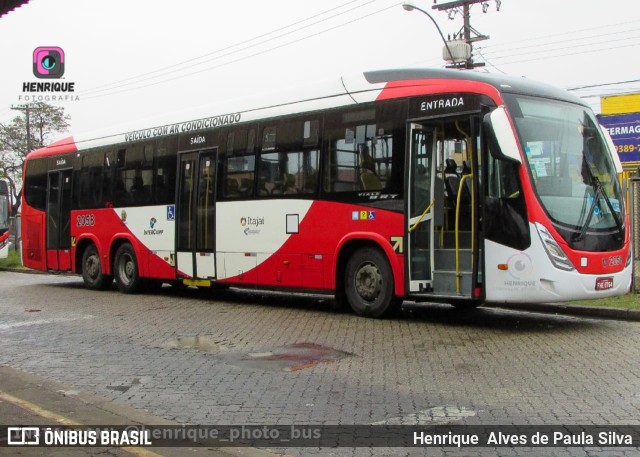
[{"x": 48, "y": 62}]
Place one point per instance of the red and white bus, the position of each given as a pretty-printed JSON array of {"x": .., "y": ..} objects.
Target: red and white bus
[
  {"x": 5, "y": 212},
  {"x": 423, "y": 184}
]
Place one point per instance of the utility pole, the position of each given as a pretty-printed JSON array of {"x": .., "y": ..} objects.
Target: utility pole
[
  {"x": 26, "y": 109},
  {"x": 467, "y": 33}
]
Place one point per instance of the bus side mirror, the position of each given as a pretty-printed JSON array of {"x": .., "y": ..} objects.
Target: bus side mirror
[{"x": 502, "y": 140}]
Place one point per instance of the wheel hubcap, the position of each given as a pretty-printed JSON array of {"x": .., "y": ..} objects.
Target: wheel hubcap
[
  {"x": 127, "y": 269},
  {"x": 93, "y": 267},
  {"x": 368, "y": 282}
]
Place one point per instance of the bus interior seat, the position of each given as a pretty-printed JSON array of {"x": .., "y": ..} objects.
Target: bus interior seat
[
  {"x": 262, "y": 188},
  {"x": 451, "y": 181},
  {"x": 370, "y": 181},
  {"x": 468, "y": 183},
  {"x": 233, "y": 188},
  {"x": 451, "y": 167},
  {"x": 245, "y": 187},
  {"x": 289, "y": 184}
]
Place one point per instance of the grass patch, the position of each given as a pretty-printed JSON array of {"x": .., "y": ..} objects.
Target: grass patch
[
  {"x": 629, "y": 301},
  {"x": 12, "y": 261}
]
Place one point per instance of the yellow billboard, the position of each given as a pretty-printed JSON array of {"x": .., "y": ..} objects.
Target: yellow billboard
[{"x": 620, "y": 104}]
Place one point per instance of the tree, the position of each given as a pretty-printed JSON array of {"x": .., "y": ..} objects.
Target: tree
[{"x": 37, "y": 124}]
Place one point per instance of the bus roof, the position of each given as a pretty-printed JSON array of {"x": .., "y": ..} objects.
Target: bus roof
[
  {"x": 503, "y": 83},
  {"x": 361, "y": 88}
]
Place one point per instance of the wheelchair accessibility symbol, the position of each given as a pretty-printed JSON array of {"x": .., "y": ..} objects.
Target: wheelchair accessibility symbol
[{"x": 171, "y": 212}]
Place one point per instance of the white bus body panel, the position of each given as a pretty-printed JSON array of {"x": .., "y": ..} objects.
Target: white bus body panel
[
  {"x": 248, "y": 232},
  {"x": 531, "y": 277}
]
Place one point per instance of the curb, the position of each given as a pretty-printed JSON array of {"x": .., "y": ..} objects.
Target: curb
[{"x": 621, "y": 314}]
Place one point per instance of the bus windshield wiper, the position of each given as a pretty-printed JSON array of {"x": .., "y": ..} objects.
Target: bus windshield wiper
[{"x": 599, "y": 192}]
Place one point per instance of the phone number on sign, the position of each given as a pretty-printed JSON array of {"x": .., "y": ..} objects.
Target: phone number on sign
[{"x": 628, "y": 148}]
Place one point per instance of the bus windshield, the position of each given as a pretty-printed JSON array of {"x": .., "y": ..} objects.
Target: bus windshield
[{"x": 573, "y": 172}]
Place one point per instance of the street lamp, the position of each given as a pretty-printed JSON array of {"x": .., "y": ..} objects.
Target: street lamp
[{"x": 410, "y": 6}]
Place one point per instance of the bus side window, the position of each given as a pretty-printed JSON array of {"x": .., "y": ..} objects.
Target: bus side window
[
  {"x": 165, "y": 177},
  {"x": 505, "y": 208},
  {"x": 120, "y": 193},
  {"x": 360, "y": 151},
  {"x": 239, "y": 164},
  {"x": 134, "y": 179},
  {"x": 88, "y": 180},
  {"x": 35, "y": 188},
  {"x": 289, "y": 158},
  {"x": 108, "y": 172}
]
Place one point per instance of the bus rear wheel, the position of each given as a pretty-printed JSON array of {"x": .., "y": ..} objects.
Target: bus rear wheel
[
  {"x": 369, "y": 283},
  {"x": 92, "y": 274},
  {"x": 125, "y": 268}
]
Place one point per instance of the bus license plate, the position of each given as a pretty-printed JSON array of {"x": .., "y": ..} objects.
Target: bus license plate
[{"x": 604, "y": 283}]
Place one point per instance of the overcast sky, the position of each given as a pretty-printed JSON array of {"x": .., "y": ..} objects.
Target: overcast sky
[{"x": 131, "y": 60}]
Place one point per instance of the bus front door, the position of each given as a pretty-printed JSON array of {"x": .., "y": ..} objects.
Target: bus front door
[
  {"x": 422, "y": 200},
  {"x": 195, "y": 233},
  {"x": 59, "y": 220},
  {"x": 442, "y": 211}
]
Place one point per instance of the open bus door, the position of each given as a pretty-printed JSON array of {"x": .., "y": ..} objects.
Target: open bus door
[
  {"x": 442, "y": 223},
  {"x": 59, "y": 220},
  {"x": 196, "y": 203}
]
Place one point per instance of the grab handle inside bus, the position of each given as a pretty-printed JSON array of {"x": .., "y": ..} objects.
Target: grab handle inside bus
[{"x": 502, "y": 140}]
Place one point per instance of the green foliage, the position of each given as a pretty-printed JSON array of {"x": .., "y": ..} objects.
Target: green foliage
[
  {"x": 36, "y": 126},
  {"x": 628, "y": 301},
  {"x": 13, "y": 260}
]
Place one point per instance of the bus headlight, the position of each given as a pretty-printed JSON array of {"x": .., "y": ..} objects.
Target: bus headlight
[{"x": 553, "y": 249}]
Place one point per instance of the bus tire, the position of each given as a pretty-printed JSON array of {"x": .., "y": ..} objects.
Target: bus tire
[
  {"x": 369, "y": 283},
  {"x": 125, "y": 270},
  {"x": 92, "y": 274}
]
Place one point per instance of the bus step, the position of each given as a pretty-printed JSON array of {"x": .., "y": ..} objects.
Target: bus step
[{"x": 444, "y": 282}]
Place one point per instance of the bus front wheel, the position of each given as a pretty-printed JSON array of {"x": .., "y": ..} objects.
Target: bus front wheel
[
  {"x": 369, "y": 283},
  {"x": 125, "y": 268},
  {"x": 92, "y": 274}
]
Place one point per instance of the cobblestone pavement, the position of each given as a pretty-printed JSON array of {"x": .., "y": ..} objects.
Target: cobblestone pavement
[{"x": 237, "y": 357}]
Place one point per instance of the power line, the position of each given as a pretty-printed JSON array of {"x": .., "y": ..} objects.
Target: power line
[
  {"x": 606, "y": 95},
  {"x": 116, "y": 85},
  {"x": 603, "y": 84},
  {"x": 534, "y": 59},
  {"x": 571, "y": 40},
  {"x": 489, "y": 49},
  {"x": 479, "y": 51},
  {"x": 564, "y": 48},
  {"x": 243, "y": 57},
  {"x": 569, "y": 54},
  {"x": 570, "y": 32}
]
